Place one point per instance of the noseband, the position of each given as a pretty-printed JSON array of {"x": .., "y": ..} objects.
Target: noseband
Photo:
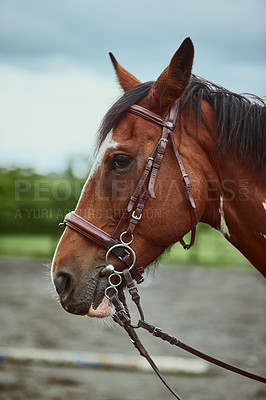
[{"x": 121, "y": 248}]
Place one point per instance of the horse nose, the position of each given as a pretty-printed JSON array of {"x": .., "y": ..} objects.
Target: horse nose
[{"x": 64, "y": 283}]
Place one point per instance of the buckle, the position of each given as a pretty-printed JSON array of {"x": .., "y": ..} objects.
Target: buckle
[
  {"x": 136, "y": 217},
  {"x": 156, "y": 331}
]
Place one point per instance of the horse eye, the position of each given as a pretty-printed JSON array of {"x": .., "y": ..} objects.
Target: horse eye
[{"x": 121, "y": 161}]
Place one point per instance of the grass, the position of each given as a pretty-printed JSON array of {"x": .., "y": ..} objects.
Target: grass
[
  {"x": 27, "y": 246},
  {"x": 210, "y": 249}
]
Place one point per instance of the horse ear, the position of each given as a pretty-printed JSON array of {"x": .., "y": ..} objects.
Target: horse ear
[
  {"x": 126, "y": 79},
  {"x": 173, "y": 81}
]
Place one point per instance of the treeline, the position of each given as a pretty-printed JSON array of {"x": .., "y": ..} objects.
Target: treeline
[
  {"x": 34, "y": 203},
  {"x": 31, "y": 202}
]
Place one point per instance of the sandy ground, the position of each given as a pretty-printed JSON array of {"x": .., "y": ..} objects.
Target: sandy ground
[{"x": 221, "y": 312}]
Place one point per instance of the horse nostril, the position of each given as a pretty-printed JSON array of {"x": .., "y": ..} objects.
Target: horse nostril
[{"x": 64, "y": 284}]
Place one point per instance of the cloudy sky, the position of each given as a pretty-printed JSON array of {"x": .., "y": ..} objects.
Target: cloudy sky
[{"x": 56, "y": 80}]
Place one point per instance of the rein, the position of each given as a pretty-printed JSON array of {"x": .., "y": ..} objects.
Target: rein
[{"x": 117, "y": 279}]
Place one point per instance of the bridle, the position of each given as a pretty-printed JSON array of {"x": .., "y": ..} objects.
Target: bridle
[
  {"x": 137, "y": 202},
  {"x": 118, "y": 279}
]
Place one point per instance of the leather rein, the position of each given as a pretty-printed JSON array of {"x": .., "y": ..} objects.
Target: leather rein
[{"x": 117, "y": 279}]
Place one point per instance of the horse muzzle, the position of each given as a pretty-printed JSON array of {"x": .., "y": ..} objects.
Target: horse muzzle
[{"x": 81, "y": 296}]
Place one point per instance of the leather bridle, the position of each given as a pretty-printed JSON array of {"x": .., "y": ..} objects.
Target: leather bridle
[
  {"x": 117, "y": 279},
  {"x": 143, "y": 190}
]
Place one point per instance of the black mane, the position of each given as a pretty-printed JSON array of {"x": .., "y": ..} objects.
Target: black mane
[
  {"x": 241, "y": 119},
  {"x": 132, "y": 96}
]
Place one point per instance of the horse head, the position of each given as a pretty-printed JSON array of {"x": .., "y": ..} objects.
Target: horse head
[{"x": 125, "y": 145}]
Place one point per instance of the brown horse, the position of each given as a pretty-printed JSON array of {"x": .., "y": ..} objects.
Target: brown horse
[{"x": 221, "y": 139}]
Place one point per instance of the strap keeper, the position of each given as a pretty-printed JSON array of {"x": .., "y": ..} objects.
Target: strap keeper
[{"x": 156, "y": 331}]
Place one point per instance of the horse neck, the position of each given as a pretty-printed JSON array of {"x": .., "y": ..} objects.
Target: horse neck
[{"x": 236, "y": 201}]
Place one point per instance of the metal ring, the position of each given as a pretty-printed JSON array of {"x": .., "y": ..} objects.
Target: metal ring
[
  {"x": 110, "y": 287},
  {"x": 136, "y": 217},
  {"x": 127, "y": 248},
  {"x": 115, "y": 284},
  {"x": 123, "y": 242}
]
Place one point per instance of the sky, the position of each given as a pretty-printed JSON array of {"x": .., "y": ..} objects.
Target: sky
[{"x": 57, "y": 82}]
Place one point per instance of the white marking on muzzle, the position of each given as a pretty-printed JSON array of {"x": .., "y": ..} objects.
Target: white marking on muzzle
[
  {"x": 107, "y": 144},
  {"x": 52, "y": 266}
]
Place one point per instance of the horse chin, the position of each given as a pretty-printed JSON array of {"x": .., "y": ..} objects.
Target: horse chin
[
  {"x": 100, "y": 307},
  {"x": 102, "y": 311}
]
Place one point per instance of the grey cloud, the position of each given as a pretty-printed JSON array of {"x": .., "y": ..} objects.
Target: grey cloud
[{"x": 143, "y": 34}]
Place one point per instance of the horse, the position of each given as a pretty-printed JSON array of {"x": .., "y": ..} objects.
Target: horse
[{"x": 218, "y": 138}]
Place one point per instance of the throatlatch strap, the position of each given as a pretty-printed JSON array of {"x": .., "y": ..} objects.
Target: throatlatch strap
[{"x": 189, "y": 196}]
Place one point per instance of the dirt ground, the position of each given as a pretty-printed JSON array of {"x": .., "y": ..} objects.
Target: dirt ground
[{"x": 220, "y": 312}]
